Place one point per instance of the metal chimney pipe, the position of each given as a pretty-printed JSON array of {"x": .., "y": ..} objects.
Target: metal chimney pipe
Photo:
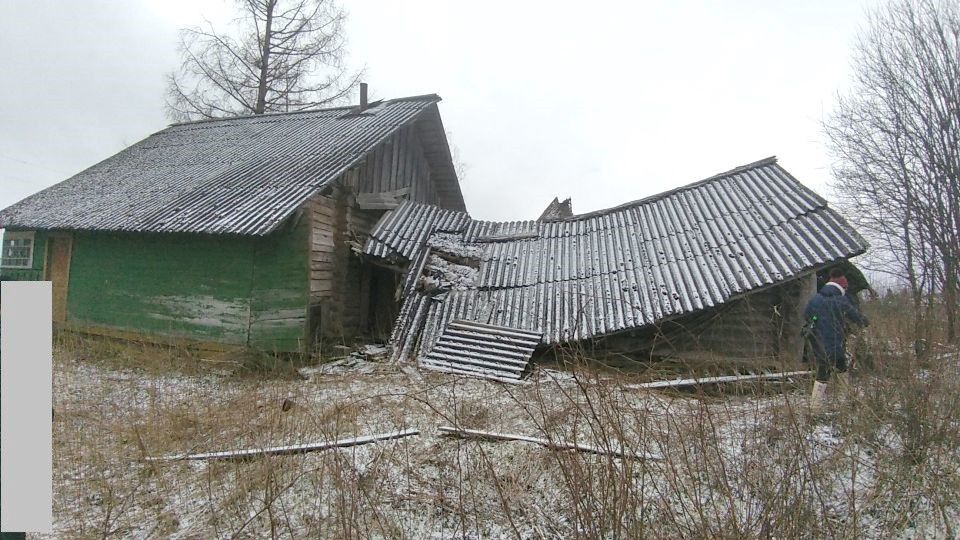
[{"x": 363, "y": 96}]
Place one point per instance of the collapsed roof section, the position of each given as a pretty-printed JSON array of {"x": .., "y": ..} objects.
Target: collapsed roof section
[{"x": 624, "y": 268}]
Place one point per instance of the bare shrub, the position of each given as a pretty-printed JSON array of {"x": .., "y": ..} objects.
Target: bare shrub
[{"x": 747, "y": 463}]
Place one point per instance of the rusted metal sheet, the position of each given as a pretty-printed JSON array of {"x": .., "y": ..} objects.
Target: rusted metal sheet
[
  {"x": 482, "y": 350},
  {"x": 675, "y": 253},
  {"x": 239, "y": 176}
]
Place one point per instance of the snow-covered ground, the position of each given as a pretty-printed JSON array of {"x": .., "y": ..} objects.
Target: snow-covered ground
[{"x": 735, "y": 464}]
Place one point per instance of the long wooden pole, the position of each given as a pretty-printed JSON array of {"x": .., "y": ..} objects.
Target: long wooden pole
[
  {"x": 680, "y": 383},
  {"x": 291, "y": 449},
  {"x": 553, "y": 445}
]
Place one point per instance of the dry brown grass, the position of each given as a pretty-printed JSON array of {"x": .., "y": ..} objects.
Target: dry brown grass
[{"x": 746, "y": 464}]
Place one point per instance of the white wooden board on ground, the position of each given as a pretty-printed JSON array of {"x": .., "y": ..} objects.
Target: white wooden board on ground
[
  {"x": 681, "y": 383},
  {"x": 553, "y": 445},
  {"x": 289, "y": 449}
]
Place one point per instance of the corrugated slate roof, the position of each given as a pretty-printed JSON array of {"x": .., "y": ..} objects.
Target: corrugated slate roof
[
  {"x": 482, "y": 350},
  {"x": 242, "y": 175},
  {"x": 631, "y": 266}
]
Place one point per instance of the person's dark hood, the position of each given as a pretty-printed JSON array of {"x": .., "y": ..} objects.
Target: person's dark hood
[
  {"x": 831, "y": 290},
  {"x": 856, "y": 281}
]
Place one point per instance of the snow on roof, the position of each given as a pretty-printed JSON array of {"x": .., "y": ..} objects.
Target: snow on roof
[
  {"x": 627, "y": 267},
  {"x": 242, "y": 175}
]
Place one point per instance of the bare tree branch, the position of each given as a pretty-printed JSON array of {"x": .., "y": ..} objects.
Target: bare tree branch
[
  {"x": 896, "y": 140},
  {"x": 281, "y": 55}
]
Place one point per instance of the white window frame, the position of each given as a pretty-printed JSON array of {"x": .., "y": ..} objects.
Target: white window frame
[{"x": 15, "y": 235}]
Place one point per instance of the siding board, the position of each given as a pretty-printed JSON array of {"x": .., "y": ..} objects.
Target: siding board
[
  {"x": 197, "y": 287},
  {"x": 170, "y": 285},
  {"x": 279, "y": 293}
]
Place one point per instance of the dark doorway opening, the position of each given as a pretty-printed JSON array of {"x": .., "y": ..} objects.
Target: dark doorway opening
[{"x": 383, "y": 306}]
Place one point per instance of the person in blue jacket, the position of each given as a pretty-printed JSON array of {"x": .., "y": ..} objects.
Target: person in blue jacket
[{"x": 826, "y": 316}]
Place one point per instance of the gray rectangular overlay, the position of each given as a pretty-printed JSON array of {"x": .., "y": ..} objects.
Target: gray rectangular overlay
[{"x": 26, "y": 402}]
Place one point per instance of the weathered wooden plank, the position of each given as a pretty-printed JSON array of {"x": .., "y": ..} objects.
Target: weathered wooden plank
[
  {"x": 369, "y": 172},
  {"x": 321, "y": 285},
  {"x": 377, "y": 201},
  {"x": 323, "y": 255},
  {"x": 362, "y": 176},
  {"x": 321, "y": 273},
  {"x": 681, "y": 383},
  {"x": 421, "y": 178},
  {"x": 374, "y": 169},
  {"x": 415, "y": 171},
  {"x": 386, "y": 157},
  {"x": 323, "y": 222},
  {"x": 404, "y": 137},
  {"x": 288, "y": 449},
  {"x": 393, "y": 194},
  {"x": 553, "y": 445},
  {"x": 395, "y": 162},
  {"x": 380, "y": 205}
]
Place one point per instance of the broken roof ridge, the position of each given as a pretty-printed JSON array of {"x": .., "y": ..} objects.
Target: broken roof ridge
[
  {"x": 765, "y": 162},
  {"x": 772, "y": 160},
  {"x": 434, "y": 96}
]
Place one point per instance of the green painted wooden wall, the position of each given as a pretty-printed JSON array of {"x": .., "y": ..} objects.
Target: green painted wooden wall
[
  {"x": 191, "y": 286},
  {"x": 225, "y": 289},
  {"x": 280, "y": 292},
  {"x": 214, "y": 288}
]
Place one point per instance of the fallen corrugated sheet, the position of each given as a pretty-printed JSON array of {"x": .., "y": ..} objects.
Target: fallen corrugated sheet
[
  {"x": 632, "y": 266},
  {"x": 289, "y": 449},
  {"x": 240, "y": 176},
  {"x": 482, "y": 350},
  {"x": 553, "y": 445}
]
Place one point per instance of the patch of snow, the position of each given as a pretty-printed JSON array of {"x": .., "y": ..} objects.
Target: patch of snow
[
  {"x": 441, "y": 274},
  {"x": 453, "y": 244},
  {"x": 349, "y": 365}
]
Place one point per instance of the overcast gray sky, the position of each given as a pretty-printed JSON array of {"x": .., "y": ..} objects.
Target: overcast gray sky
[{"x": 604, "y": 102}]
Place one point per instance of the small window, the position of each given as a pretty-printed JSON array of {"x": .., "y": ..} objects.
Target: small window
[{"x": 17, "y": 250}]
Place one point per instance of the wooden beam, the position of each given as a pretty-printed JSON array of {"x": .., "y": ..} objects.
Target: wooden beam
[
  {"x": 290, "y": 449},
  {"x": 553, "y": 445},
  {"x": 681, "y": 383},
  {"x": 377, "y": 204},
  {"x": 382, "y": 200}
]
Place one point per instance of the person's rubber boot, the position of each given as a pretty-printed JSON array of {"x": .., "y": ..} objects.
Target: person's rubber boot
[
  {"x": 844, "y": 379},
  {"x": 818, "y": 397}
]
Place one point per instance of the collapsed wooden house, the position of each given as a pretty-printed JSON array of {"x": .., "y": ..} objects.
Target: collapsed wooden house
[
  {"x": 235, "y": 232},
  {"x": 718, "y": 268},
  {"x": 277, "y": 230}
]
